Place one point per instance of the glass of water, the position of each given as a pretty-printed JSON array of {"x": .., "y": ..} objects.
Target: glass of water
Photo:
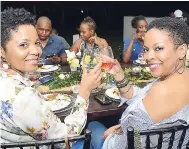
[{"x": 75, "y": 87}]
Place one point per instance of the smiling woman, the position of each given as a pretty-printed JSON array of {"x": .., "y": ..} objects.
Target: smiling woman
[
  {"x": 24, "y": 114},
  {"x": 162, "y": 103},
  {"x": 20, "y": 45}
]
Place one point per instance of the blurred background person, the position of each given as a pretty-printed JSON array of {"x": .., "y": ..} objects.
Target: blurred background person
[
  {"x": 53, "y": 47},
  {"x": 66, "y": 44},
  {"x": 182, "y": 15},
  {"x": 88, "y": 38},
  {"x": 133, "y": 45}
]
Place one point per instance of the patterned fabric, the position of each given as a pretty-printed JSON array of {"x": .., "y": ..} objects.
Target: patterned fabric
[
  {"x": 83, "y": 46},
  {"x": 136, "y": 116},
  {"x": 24, "y": 116}
]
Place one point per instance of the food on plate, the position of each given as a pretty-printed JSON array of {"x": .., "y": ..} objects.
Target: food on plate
[
  {"x": 113, "y": 93},
  {"x": 139, "y": 74}
]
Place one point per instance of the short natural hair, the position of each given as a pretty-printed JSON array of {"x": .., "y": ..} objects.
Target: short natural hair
[
  {"x": 11, "y": 19},
  {"x": 177, "y": 29},
  {"x": 90, "y": 22},
  {"x": 135, "y": 20}
]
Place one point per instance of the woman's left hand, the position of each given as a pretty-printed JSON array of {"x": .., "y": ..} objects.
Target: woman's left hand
[{"x": 90, "y": 80}]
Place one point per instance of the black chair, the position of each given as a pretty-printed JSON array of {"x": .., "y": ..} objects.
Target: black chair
[
  {"x": 51, "y": 142},
  {"x": 160, "y": 133}
]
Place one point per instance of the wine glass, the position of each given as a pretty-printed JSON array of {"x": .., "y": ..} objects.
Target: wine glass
[
  {"x": 106, "y": 55},
  {"x": 141, "y": 58},
  {"x": 91, "y": 58}
]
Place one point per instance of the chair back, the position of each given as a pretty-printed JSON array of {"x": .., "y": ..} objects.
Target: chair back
[
  {"x": 160, "y": 132},
  {"x": 51, "y": 142}
]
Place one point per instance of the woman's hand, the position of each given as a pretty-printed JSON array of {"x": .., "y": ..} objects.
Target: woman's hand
[
  {"x": 139, "y": 35},
  {"x": 110, "y": 131},
  {"x": 116, "y": 69},
  {"x": 90, "y": 81},
  {"x": 93, "y": 39}
]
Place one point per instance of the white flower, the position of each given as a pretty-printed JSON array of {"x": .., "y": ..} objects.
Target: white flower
[
  {"x": 79, "y": 54},
  {"x": 74, "y": 62},
  {"x": 70, "y": 55},
  {"x": 137, "y": 69},
  {"x": 5, "y": 66},
  {"x": 61, "y": 76},
  {"x": 147, "y": 69}
]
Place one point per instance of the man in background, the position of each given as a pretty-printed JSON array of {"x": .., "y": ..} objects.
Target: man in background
[
  {"x": 53, "y": 47},
  {"x": 66, "y": 45},
  {"x": 182, "y": 15}
]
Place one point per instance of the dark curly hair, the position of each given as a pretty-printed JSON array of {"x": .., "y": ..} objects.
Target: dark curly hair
[
  {"x": 11, "y": 19},
  {"x": 90, "y": 22},
  {"x": 135, "y": 20},
  {"x": 177, "y": 29}
]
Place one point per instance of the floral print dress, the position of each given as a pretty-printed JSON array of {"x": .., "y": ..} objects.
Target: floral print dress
[{"x": 24, "y": 116}]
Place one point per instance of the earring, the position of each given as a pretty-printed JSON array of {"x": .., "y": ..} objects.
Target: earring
[{"x": 182, "y": 66}]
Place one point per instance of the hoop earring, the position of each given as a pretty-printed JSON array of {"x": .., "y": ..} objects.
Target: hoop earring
[{"x": 182, "y": 66}]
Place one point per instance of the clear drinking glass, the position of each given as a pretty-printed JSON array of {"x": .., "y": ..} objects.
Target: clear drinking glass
[
  {"x": 91, "y": 58},
  {"x": 106, "y": 55}
]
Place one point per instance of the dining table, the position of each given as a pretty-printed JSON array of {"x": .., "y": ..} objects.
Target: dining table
[{"x": 96, "y": 110}]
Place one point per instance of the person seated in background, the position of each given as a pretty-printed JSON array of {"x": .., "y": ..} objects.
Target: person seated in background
[
  {"x": 53, "y": 47},
  {"x": 88, "y": 38},
  {"x": 66, "y": 45},
  {"x": 162, "y": 103},
  {"x": 179, "y": 14},
  {"x": 133, "y": 45},
  {"x": 24, "y": 115}
]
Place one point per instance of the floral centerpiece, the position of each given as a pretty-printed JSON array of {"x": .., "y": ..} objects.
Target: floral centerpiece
[{"x": 72, "y": 60}]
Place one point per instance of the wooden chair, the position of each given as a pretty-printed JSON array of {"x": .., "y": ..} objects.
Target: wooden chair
[
  {"x": 51, "y": 142},
  {"x": 160, "y": 133}
]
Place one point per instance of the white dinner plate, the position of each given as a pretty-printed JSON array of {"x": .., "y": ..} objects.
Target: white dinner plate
[
  {"x": 113, "y": 93},
  {"x": 140, "y": 62},
  {"x": 48, "y": 68},
  {"x": 57, "y": 101}
]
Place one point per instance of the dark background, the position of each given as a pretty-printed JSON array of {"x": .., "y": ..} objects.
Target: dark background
[{"x": 66, "y": 15}]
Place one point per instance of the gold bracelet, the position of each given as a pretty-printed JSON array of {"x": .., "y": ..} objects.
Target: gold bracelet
[{"x": 126, "y": 91}]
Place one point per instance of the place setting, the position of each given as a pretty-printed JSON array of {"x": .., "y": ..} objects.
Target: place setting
[
  {"x": 47, "y": 68},
  {"x": 58, "y": 102}
]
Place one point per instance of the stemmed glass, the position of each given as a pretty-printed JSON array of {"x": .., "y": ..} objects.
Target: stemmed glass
[
  {"x": 106, "y": 55},
  {"x": 141, "y": 58},
  {"x": 90, "y": 58}
]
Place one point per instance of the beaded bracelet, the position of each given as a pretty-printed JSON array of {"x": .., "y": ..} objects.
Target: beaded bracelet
[
  {"x": 123, "y": 83},
  {"x": 125, "y": 91}
]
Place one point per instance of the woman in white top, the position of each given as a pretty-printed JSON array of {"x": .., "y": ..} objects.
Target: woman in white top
[
  {"x": 164, "y": 102},
  {"x": 24, "y": 115}
]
